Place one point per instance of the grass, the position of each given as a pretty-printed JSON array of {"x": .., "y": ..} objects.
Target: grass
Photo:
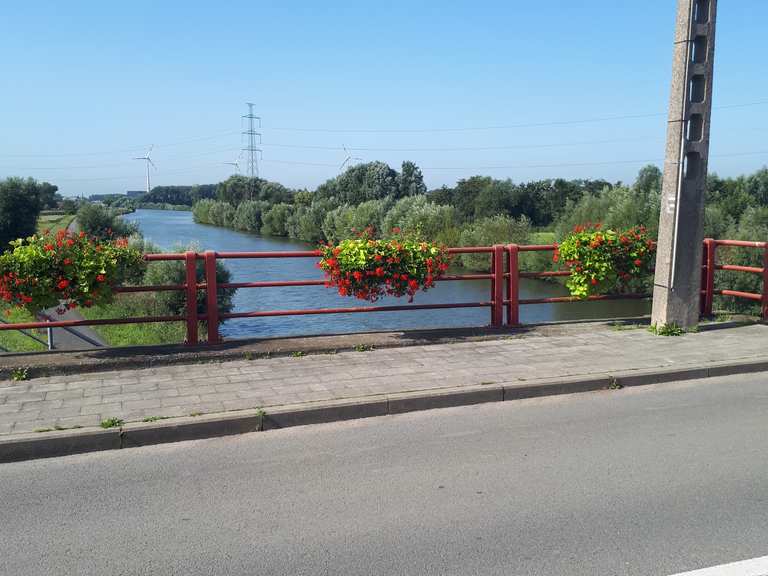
[
  {"x": 54, "y": 222},
  {"x": 363, "y": 347},
  {"x": 15, "y": 341},
  {"x": 155, "y": 418},
  {"x": 128, "y": 305},
  {"x": 112, "y": 423},
  {"x": 666, "y": 330}
]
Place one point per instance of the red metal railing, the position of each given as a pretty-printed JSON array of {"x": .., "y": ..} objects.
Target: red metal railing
[
  {"x": 504, "y": 293},
  {"x": 710, "y": 266}
]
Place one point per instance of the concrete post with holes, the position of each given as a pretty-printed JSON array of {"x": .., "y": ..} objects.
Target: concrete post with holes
[{"x": 677, "y": 285}]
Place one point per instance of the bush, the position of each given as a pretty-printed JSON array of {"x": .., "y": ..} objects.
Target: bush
[
  {"x": 174, "y": 272},
  {"x": 274, "y": 222},
  {"x": 102, "y": 222},
  {"x": 65, "y": 270},
  {"x": 368, "y": 269},
  {"x": 418, "y": 215},
  {"x": 347, "y": 221},
  {"x": 248, "y": 216},
  {"x": 490, "y": 231}
]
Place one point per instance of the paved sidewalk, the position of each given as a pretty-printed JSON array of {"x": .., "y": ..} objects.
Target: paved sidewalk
[{"x": 183, "y": 390}]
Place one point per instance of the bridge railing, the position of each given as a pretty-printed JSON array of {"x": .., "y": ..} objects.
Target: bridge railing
[
  {"x": 503, "y": 301},
  {"x": 710, "y": 266}
]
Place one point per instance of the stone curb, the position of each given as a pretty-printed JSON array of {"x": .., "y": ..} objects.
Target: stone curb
[{"x": 63, "y": 443}]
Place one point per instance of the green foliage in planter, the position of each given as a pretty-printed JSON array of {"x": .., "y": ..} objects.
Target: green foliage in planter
[
  {"x": 605, "y": 261},
  {"x": 65, "y": 270},
  {"x": 368, "y": 269}
]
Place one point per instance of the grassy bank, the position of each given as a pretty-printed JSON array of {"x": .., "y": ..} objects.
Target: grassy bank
[
  {"x": 135, "y": 305},
  {"x": 16, "y": 341},
  {"x": 54, "y": 222}
]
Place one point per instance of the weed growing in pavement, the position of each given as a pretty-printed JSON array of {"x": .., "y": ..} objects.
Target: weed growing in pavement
[
  {"x": 112, "y": 423},
  {"x": 154, "y": 418},
  {"x": 666, "y": 330},
  {"x": 613, "y": 384},
  {"x": 363, "y": 347},
  {"x": 19, "y": 374},
  {"x": 621, "y": 326},
  {"x": 195, "y": 413},
  {"x": 298, "y": 353},
  {"x": 248, "y": 355},
  {"x": 43, "y": 430}
]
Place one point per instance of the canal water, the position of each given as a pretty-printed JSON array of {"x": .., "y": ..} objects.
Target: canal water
[{"x": 173, "y": 230}]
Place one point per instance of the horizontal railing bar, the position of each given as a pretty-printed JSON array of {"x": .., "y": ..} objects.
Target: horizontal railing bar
[
  {"x": 164, "y": 288},
  {"x": 470, "y": 250},
  {"x": 465, "y": 277},
  {"x": 160, "y": 257},
  {"x": 543, "y": 274},
  {"x": 737, "y": 268},
  {"x": 587, "y": 299},
  {"x": 738, "y": 294},
  {"x": 275, "y": 284},
  {"x": 94, "y": 322},
  {"x": 271, "y": 254},
  {"x": 741, "y": 243},
  {"x": 351, "y": 310},
  {"x": 536, "y": 247}
]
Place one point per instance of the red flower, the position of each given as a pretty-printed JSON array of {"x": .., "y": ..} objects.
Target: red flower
[
  {"x": 638, "y": 262},
  {"x": 358, "y": 275},
  {"x": 413, "y": 284},
  {"x": 49, "y": 247},
  {"x": 100, "y": 278},
  {"x": 67, "y": 261},
  {"x": 377, "y": 257},
  {"x": 63, "y": 283},
  {"x": 70, "y": 242},
  {"x": 594, "y": 281}
]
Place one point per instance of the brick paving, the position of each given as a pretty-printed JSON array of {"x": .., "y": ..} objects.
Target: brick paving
[{"x": 181, "y": 390}]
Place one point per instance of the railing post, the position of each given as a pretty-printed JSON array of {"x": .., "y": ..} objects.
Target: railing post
[
  {"x": 513, "y": 285},
  {"x": 497, "y": 286},
  {"x": 49, "y": 334},
  {"x": 765, "y": 281},
  {"x": 709, "y": 282},
  {"x": 211, "y": 299},
  {"x": 190, "y": 261}
]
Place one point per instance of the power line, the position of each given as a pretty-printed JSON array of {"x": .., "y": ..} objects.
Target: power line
[
  {"x": 541, "y": 124},
  {"x": 464, "y": 148}
]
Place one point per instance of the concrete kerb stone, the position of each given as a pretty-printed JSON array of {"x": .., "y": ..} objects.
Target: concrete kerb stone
[
  {"x": 190, "y": 428},
  {"x": 58, "y": 443},
  {"x": 324, "y": 412},
  {"x": 43, "y": 445},
  {"x": 444, "y": 398},
  {"x": 646, "y": 377}
]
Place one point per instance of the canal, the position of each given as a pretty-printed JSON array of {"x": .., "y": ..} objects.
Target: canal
[{"x": 173, "y": 230}]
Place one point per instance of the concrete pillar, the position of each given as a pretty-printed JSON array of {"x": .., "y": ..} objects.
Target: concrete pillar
[{"x": 677, "y": 283}]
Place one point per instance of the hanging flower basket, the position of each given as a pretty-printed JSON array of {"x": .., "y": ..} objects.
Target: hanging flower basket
[
  {"x": 369, "y": 269},
  {"x": 65, "y": 270},
  {"x": 603, "y": 261}
]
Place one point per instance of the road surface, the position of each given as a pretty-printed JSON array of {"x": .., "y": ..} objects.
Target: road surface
[{"x": 655, "y": 481}]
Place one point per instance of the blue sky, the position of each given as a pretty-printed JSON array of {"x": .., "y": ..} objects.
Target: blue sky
[{"x": 89, "y": 85}]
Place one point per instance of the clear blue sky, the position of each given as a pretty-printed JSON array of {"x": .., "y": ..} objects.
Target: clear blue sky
[{"x": 88, "y": 85}]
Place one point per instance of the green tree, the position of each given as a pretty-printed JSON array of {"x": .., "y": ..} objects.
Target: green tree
[
  {"x": 102, "y": 221},
  {"x": 274, "y": 222},
  {"x": 498, "y": 229},
  {"x": 20, "y": 206}
]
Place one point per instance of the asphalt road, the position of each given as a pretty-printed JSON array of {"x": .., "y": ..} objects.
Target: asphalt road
[{"x": 647, "y": 481}]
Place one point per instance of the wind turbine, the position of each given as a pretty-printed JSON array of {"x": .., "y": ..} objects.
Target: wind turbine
[
  {"x": 148, "y": 160},
  {"x": 349, "y": 159}
]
